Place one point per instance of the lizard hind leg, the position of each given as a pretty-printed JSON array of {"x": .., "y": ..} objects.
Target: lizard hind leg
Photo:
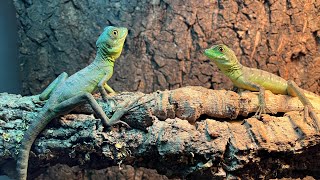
[
  {"x": 71, "y": 103},
  {"x": 46, "y": 93},
  {"x": 294, "y": 90}
]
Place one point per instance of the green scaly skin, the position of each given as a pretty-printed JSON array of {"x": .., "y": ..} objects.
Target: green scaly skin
[
  {"x": 258, "y": 80},
  {"x": 65, "y": 93}
]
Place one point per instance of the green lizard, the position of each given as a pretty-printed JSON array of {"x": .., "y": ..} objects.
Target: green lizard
[
  {"x": 258, "y": 80},
  {"x": 65, "y": 93}
]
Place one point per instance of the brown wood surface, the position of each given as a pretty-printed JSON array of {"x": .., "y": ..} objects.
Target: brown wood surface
[{"x": 187, "y": 132}]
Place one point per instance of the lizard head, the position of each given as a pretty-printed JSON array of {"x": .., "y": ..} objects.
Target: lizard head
[
  {"x": 111, "y": 41},
  {"x": 223, "y": 56}
]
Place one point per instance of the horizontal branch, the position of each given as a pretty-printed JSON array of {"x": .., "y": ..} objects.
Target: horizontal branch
[{"x": 185, "y": 132}]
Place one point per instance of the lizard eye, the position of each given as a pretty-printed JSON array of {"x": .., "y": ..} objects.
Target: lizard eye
[
  {"x": 220, "y": 49},
  {"x": 115, "y": 32}
]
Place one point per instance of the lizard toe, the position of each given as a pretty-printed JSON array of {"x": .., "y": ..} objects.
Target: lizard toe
[{"x": 121, "y": 122}]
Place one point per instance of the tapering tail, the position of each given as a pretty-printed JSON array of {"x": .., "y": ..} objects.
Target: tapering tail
[{"x": 30, "y": 135}]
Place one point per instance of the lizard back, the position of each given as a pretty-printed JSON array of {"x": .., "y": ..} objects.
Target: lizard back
[{"x": 266, "y": 80}]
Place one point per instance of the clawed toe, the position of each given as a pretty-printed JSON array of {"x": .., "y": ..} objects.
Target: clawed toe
[
  {"x": 136, "y": 104},
  {"x": 127, "y": 106},
  {"x": 122, "y": 109},
  {"x": 121, "y": 122},
  {"x": 257, "y": 115},
  {"x": 260, "y": 110}
]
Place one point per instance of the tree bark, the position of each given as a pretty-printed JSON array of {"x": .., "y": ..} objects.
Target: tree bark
[
  {"x": 185, "y": 133},
  {"x": 164, "y": 49}
]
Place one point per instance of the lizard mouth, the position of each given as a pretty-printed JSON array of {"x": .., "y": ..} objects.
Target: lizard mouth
[
  {"x": 207, "y": 52},
  {"x": 125, "y": 34},
  {"x": 211, "y": 55}
]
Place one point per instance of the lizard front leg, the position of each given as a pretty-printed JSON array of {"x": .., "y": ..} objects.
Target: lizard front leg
[
  {"x": 53, "y": 85},
  {"x": 102, "y": 86},
  {"x": 262, "y": 103},
  {"x": 294, "y": 90},
  {"x": 109, "y": 89}
]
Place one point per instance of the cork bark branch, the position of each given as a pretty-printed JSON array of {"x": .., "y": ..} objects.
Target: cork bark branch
[{"x": 187, "y": 132}]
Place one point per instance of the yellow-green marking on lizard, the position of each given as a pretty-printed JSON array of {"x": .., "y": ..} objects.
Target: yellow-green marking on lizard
[
  {"x": 258, "y": 80},
  {"x": 65, "y": 93}
]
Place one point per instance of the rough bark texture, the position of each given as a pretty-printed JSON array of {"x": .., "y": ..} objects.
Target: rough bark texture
[
  {"x": 178, "y": 134},
  {"x": 164, "y": 51},
  {"x": 164, "y": 47},
  {"x": 125, "y": 172}
]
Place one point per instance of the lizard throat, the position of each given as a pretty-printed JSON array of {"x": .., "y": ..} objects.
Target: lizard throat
[
  {"x": 103, "y": 58},
  {"x": 233, "y": 72}
]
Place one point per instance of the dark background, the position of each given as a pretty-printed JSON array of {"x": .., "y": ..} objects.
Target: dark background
[
  {"x": 167, "y": 38},
  {"x": 10, "y": 80}
]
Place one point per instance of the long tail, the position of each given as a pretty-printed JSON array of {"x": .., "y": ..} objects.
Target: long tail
[{"x": 30, "y": 135}]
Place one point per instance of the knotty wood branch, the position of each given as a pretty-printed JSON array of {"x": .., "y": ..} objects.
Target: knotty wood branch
[{"x": 181, "y": 133}]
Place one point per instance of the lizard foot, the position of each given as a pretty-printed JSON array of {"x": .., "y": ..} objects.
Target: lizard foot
[
  {"x": 120, "y": 111},
  {"x": 113, "y": 94},
  {"x": 107, "y": 98},
  {"x": 115, "y": 119},
  {"x": 261, "y": 110},
  {"x": 309, "y": 112},
  {"x": 120, "y": 122}
]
